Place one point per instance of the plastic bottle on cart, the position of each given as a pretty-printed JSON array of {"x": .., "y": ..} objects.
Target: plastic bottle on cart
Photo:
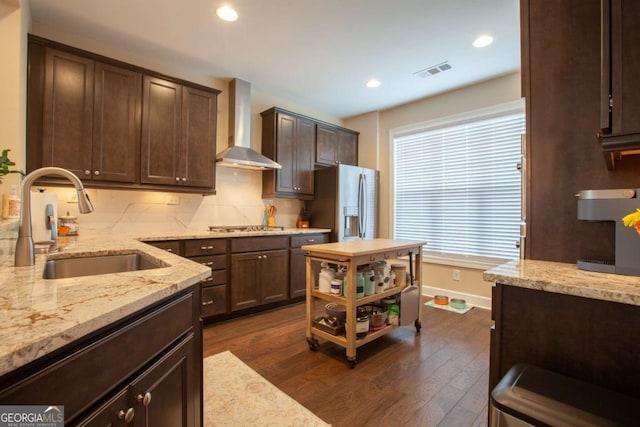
[
  {"x": 360, "y": 286},
  {"x": 326, "y": 275}
]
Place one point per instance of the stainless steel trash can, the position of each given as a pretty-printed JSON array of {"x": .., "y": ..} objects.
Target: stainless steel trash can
[{"x": 528, "y": 395}]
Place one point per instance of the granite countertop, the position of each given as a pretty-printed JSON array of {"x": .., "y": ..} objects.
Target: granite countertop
[
  {"x": 38, "y": 316},
  {"x": 567, "y": 279}
]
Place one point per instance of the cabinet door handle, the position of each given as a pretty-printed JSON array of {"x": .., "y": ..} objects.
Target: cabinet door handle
[
  {"x": 259, "y": 256},
  {"x": 184, "y": 179},
  {"x": 177, "y": 178},
  {"x": 96, "y": 173},
  {"x": 146, "y": 399},
  {"x": 208, "y": 302},
  {"x": 264, "y": 257},
  {"x": 126, "y": 416},
  {"x": 86, "y": 172}
]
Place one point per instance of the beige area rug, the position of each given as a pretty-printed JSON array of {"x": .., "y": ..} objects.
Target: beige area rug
[{"x": 236, "y": 395}]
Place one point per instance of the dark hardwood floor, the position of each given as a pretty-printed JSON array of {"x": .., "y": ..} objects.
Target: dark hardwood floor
[{"x": 436, "y": 378}]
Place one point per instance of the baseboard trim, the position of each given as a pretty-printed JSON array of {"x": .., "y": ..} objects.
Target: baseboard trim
[{"x": 474, "y": 300}]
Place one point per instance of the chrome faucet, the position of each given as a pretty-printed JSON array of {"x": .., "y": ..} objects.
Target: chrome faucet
[{"x": 25, "y": 253}]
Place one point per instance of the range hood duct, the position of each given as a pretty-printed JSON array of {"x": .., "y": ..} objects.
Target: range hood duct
[{"x": 239, "y": 154}]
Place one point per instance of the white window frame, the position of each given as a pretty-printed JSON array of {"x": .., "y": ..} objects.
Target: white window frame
[{"x": 476, "y": 262}]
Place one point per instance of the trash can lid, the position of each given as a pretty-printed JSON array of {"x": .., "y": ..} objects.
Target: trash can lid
[{"x": 537, "y": 396}]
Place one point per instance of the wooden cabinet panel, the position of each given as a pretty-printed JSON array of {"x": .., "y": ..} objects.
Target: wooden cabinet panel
[
  {"x": 84, "y": 374},
  {"x": 109, "y": 413},
  {"x": 326, "y": 145},
  {"x": 297, "y": 262},
  {"x": 214, "y": 300},
  {"x": 161, "y": 119},
  {"x": 297, "y": 273},
  {"x": 289, "y": 139},
  {"x": 197, "y": 161},
  {"x": 348, "y": 148},
  {"x": 547, "y": 330},
  {"x": 205, "y": 247},
  {"x": 304, "y": 154},
  {"x": 259, "y": 278},
  {"x": 286, "y": 135},
  {"x": 116, "y": 126},
  {"x": 274, "y": 276},
  {"x": 167, "y": 384},
  {"x": 215, "y": 262},
  {"x": 254, "y": 244},
  {"x": 67, "y": 111},
  {"x": 172, "y": 246},
  {"x": 245, "y": 280},
  {"x": 335, "y": 145}
]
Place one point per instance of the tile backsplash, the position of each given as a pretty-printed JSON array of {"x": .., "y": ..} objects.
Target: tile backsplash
[{"x": 238, "y": 202}]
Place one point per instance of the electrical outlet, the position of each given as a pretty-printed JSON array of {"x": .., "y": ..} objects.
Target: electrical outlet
[
  {"x": 456, "y": 275},
  {"x": 172, "y": 200},
  {"x": 72, "y": 197}
]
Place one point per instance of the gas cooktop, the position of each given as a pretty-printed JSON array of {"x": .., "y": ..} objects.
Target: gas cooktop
[{"x": 238, "y": 228}]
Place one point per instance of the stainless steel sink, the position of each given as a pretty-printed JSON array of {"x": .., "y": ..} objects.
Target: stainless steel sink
[{"x": 61, "y": 268}]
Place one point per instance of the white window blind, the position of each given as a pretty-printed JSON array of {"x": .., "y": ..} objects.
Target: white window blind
[{"x": 457, "y": 187}]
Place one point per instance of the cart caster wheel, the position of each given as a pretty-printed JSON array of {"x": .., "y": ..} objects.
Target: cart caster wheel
[
  {"x": 418, "y": 326},
  {"x": 352, "y": 363},
  {"x": 313, "y": 344}
]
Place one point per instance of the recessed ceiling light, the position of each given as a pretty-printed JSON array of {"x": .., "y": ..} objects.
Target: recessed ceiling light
[
  {"x": 483, "y": 41},
  {"x": 226, "y": 13},
  {"x": 373, "y": 83}
]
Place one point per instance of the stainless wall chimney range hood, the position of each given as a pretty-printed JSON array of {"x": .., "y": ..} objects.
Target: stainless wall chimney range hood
[{"x": 239, "y": 154}]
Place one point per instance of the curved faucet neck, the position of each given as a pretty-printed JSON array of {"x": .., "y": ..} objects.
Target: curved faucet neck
[{"x": 25, "y": 253}]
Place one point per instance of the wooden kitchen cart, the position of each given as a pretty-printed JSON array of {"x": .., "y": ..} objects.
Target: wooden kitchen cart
[{"x": 351, "y": 255}]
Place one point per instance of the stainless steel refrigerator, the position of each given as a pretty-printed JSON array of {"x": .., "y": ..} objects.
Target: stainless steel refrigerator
[{"x": 346, "y": 201}]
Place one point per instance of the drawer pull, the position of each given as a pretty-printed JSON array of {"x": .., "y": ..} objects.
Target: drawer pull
[
  {"x": 169, "y": 250},
  {"x": 372, "y": 258},
  {"x": 146, "y": 399},
  {"x": 208, "y": 302},
  {"x": 126, "y": 416},
  {"x": 311, "y": 240},
  {"x": 208, "y": 279},
  {"x": 386, "y": 256},
  {"x": 209, "y": 264}
]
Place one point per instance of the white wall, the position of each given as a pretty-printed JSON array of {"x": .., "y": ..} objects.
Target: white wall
[
  {"x": 375, "y": 131},
  {"x": 14, "y": 21}
]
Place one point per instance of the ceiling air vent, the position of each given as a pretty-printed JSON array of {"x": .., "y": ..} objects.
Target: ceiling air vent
[{"x": 433, "y": 70}]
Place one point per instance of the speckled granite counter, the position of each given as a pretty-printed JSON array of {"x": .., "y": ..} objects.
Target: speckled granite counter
[
  {"x": 567, "y": 279},
  {"x": 38, "y": 316}
]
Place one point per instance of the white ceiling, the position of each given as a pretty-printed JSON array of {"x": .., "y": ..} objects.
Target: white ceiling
[{"x": 317, "y": 53}]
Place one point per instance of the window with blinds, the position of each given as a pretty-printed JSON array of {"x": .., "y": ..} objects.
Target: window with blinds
[{"x": 457, "y": 187}]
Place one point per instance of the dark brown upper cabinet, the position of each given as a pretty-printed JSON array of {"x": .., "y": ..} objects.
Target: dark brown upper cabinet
[
  {"x": 620, "y": 87},
  {"x": 289, "y": 139},
  {"x": 335, "y": 145},
  {"x": 89, "y": 112},
  {"x": 178, "y": 134},
  {"x": 116, "y": 125}
]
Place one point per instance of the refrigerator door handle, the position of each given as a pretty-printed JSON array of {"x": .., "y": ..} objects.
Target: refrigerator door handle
[{"x": 362, "y": 205}]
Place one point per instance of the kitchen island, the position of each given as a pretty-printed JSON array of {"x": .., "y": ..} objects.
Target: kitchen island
[
  {"x": 351, "y": 255},
  {"x": 582, "y": 324}
]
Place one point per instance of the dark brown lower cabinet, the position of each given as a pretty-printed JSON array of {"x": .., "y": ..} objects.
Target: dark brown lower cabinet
[
  {"x": 259, "y": 271},
  {"x": 297, "y": 262},
  {"x": 258, "y": 278},
  {"x": 588, "y": 339},
  {"x": 145, "y": 370},
  {"x": 157, "y": 398}
]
